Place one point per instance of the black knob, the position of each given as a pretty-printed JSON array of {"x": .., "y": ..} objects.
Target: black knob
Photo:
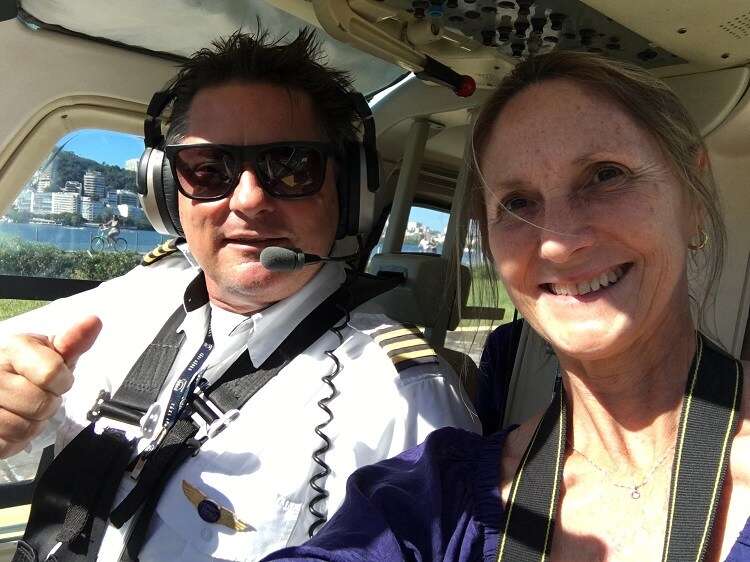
[
  {"x": 522, "y": 26},
  {"x": 647, "y": 55},
  {"x": 517, "y": 49},
  {"x": 523, "y": 7},
  {"x": 419, "y": 13},
  {"x": 556, "y": 20},
  {"x": 508, "y": 5},
  {"x": 503, "y": 32},
  {"x": 451, "y": 4},
  {"x": 587, "y": 36},
  {"x": 537, "y": 24}
]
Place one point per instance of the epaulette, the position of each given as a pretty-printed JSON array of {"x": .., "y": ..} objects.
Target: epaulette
[
  {"x": 405, "y": 346},
  {"x": 161, "y": 251}
]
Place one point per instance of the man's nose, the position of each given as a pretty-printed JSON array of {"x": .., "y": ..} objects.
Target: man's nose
[
  {"x": 248, "y": 196},
  {"x": 564, "y": 233}
]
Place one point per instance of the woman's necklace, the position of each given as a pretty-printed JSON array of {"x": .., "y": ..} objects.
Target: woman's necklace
[{"x": 635, "y": 489}]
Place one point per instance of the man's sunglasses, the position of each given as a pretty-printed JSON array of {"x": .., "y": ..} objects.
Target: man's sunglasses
[{"x": 286, "y": 170}]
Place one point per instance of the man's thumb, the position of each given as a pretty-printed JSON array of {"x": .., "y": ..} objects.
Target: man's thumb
[{"x": 74, "y": 342}]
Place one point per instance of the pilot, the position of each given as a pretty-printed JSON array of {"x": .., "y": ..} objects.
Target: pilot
[{"x": 209, "y": 407}]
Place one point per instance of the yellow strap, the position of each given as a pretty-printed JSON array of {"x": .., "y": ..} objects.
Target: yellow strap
[
  {"x": 413, "y": 355},
  {"x": 396, "y": 333},
  {"x": 405, "y": 343}
]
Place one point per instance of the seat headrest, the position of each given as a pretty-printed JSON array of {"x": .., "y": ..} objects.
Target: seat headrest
[{"x": 429, "y": 286}]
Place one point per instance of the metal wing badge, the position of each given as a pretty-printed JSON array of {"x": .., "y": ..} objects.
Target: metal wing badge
[{"x": 212, "y": 512}]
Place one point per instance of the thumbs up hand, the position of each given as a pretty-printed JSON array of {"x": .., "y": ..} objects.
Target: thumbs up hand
[{"x": 35, "y": 371}]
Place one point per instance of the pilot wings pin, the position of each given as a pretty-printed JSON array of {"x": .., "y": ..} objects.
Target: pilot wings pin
[{"x": 212, "y": 512}]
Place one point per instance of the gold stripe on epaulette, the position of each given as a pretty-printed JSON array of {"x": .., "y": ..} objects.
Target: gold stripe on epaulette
[
  {"x": 165, "y": 249},
  {"x": 413, "y": 355},
  {"x": 405, "y": 343},
  {"x": 396, "y": 332},
  {"x": 405, "y": 346}
]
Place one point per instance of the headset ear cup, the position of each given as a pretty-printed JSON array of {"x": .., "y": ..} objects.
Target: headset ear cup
[
  {"x": 169, "y": 188},
  {"x": 150, "y": 184}
]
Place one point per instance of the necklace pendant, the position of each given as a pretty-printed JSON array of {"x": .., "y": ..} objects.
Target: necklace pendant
[{"x": 635, "y": 494}]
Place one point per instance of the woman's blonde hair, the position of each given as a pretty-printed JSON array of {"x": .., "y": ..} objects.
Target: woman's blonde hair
[{"x": 655, "y": 107}]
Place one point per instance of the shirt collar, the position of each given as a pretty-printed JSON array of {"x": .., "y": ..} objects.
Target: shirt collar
[{"x": 266, "y": 329}]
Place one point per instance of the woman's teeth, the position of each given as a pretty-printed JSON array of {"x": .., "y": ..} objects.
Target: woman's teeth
[{"x": 573, "y": 289}]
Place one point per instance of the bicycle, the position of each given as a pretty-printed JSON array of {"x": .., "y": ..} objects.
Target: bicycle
[{"x": 102, "y": 242}]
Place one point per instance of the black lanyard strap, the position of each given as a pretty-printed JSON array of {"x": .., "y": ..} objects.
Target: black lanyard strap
[
  {"x": 185, "y": 383},
  {"x": 707, "y": 425},
  {"x": 534, "y": 495},
  {"x": 708, "y": 422}
]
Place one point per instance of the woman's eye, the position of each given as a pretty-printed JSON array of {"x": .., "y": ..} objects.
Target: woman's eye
[
  {"x": 607, "y": 173},
  {"x": 516, "y": 204}
]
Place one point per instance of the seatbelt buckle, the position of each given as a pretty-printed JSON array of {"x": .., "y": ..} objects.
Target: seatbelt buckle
[
  {"x": 133, "y": 422},
  {"x": 208, "y": 416}
]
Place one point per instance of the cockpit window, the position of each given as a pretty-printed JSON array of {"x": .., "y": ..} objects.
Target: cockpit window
[{"x": 60, "y": 224}]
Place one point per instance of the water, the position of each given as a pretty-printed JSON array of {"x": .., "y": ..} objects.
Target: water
[{"x": 70, "y": 238}]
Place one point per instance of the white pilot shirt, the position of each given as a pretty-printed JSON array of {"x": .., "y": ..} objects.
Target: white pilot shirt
[{"x": 259, "y": 467}]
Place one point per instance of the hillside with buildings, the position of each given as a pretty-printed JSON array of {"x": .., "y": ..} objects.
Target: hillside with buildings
[{"x": 73, "y": 190}]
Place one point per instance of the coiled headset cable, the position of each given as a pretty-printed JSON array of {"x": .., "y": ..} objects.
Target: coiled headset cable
[{"x": 317, "y": 481}]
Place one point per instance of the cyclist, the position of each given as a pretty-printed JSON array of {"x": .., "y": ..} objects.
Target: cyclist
[{"x": 112, "y": 229}]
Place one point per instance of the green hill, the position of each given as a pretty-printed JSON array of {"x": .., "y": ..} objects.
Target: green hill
[{"x": 68, "y": 166}]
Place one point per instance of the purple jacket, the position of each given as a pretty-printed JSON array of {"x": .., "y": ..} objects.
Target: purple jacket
[{"x": 437, "y": 501}]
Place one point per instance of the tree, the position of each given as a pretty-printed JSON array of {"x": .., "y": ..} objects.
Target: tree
[
  {"x": 69, "y": 219},
  {"x": 18, "y": 216}
]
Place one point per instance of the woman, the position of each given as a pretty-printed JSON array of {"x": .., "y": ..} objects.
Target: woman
[{"x": 595, "y": 195}]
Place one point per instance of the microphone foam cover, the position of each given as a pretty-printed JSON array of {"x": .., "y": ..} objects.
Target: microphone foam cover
[{"x": 276, "y": 258}]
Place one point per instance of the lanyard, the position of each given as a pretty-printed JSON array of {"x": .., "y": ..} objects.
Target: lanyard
[
  {"x": 707, "y": 423},
  {"x": 187, "y": 380}
]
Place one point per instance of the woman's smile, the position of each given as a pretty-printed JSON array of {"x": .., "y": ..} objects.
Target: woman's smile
[{"x": 593, "y": 285}]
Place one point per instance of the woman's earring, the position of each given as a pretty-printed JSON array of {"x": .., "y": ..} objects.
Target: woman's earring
[{"x": 702, "y": 241}]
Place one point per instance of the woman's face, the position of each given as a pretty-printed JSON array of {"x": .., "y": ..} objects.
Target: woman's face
[{"x": 604, "y": 263}]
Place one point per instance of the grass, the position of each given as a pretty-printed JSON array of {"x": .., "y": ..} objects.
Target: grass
[
  {"x": 484, "y": 292},
  {"x": 12, "y": 307}
]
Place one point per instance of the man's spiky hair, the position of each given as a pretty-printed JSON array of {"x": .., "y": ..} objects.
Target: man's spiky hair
[{"x": 255, "y": 58}]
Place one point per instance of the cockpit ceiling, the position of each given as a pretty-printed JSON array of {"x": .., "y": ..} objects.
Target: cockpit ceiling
[
  {"x": 482, "y": 38},
  {"x": 670, "y": 37}
]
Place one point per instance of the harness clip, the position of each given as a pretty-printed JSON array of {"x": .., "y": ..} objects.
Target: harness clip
[{"x": 135, "y": 423}]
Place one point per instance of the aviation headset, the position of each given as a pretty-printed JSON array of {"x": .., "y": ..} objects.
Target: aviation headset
[{"x": 357, "y": 180}]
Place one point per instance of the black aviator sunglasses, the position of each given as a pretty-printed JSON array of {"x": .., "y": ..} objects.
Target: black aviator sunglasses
[{"x": 286, "y": 170}]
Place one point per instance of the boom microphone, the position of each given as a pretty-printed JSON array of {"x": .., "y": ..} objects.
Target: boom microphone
[{"x": 276, "y": 258}]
